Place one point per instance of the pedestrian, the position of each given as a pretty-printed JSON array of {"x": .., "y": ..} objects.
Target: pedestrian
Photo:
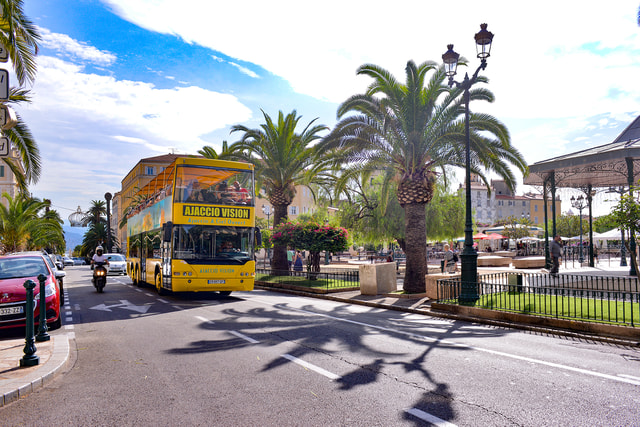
[
  {"x": 297, "y": 261},
  {"x": 449, "y": 260},
  {"x": 290, "y": 255},
  {"x": 556, "y": 253}
]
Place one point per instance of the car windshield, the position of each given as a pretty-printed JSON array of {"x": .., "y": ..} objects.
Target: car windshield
[
  {"x": 13, "y": 268},
  {"x": 115, "y": 257}
]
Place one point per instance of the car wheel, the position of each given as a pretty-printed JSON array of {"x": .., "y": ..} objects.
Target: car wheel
[{"x": 57, "y": 324}]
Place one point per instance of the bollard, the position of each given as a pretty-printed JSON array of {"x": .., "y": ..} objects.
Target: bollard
[
  {"x": 42, "y": 327},
  {"x": 29, "y": 358}
]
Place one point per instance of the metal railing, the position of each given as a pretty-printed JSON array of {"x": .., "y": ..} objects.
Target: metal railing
[
  {"x": 600, "y": 299},
  {"x": 325, "y": 280}
]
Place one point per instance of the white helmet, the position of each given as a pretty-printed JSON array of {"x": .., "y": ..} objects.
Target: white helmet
[{"x": 99, "y": 249}]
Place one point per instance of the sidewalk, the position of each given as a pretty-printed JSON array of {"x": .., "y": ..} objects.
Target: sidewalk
[{"x": 17, "y": 382}]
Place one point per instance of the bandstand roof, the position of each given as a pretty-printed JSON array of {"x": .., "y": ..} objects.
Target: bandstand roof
[{"x": 602, "y": 166}]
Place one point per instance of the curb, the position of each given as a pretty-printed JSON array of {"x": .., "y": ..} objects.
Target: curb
[{"x": 20, "y": 387}]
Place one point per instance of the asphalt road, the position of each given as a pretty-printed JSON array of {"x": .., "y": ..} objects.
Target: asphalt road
[{"x": 263, "y": 358}]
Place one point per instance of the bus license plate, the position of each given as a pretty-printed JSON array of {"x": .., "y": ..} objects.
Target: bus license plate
[
  {"x": 216, "y": 282},
  {"x": 11, "y": 310}
]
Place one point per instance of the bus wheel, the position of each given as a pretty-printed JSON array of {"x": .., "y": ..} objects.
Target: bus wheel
[
  {"x": 224, "y": 293},
  {"x": 134, "y": 277},
  {"x": 158, "y": 283}
]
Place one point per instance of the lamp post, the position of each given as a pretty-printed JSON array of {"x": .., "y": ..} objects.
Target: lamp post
[
  {"x": 579, "y": 204},
  {"x": 267, "y": 211},
  {"x": 623, "y": 250},
  {"x": 469, "y": 256},
  {"x": 108, "y": 198}
]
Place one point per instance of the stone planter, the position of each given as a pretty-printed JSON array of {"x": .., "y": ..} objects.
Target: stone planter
[{"x": 377, "y": 279}]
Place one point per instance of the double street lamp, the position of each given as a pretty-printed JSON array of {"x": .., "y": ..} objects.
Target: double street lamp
[
  {"x": 580, "y": 203},
  {"x": 469, "y": 256},
  {"x": 267, "y": 211}
]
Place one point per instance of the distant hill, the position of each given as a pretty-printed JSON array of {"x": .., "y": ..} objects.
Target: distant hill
[{"x": 73, "y": 236}]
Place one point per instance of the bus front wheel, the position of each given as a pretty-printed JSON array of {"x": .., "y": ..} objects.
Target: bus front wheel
[{"x": 158, "y": 283}]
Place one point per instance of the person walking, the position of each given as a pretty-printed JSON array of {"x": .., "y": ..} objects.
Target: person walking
[
  {"x": 556, "y": 253},
  {"x": 297, "y": 261}
]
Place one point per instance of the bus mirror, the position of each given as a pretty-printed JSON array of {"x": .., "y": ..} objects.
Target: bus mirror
[
  {"x": 258, "y": 237},
  {"x": 166, "y": 232}
]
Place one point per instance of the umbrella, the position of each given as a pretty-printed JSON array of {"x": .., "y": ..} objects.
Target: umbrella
[
  {"x": 480, "y": 236},
  {"x": 495, "y": 236}
]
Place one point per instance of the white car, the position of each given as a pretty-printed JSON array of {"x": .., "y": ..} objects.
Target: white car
[{"x": 117, "y": 264}]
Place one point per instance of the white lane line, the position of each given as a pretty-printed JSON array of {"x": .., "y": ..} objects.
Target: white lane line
[
  {"x": 204, "y": 319},
  {"x": 163, "y": 301},
  {"x": 631, "y": 377},
  {"x": 425, "y": 416},
  {"x": 68, "y": 319},
  {"x": 69, "y": 313},
  {"x": 244, "y": 337},
  {"x": 309, "y": 366},
  {"x": 149, "y": 295},
  {"x": 68, "y": 326},
  {"x": 470, "y": 347}
]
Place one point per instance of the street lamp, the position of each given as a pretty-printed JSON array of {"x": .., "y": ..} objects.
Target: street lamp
[
  {"x": 469, "y": 256},
  {"x": 267, "y": 211},
  {"x": 108, "y": 198},
  {"x": 579, "y": 204}
]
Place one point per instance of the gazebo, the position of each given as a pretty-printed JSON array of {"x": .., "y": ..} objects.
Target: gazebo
[{"x": 616, "y": 164}]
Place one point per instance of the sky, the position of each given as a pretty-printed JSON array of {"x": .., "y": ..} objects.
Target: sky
[{"x": 121, "y": 80}]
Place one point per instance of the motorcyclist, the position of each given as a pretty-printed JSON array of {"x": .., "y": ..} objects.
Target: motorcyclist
[{"x": 99, "y": 257}]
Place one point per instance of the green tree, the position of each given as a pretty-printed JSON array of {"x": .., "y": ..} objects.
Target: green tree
[
  {"x": 413, "y": 129},
  {"x": 24, "y": 224},
  {"x": 283, "y": 159},
  {"x": 20, "y": 38},
  {"x": 95, "y": 236},
  {"x": 313, "y": 237},
  {"x": 227, "y": 152},
  {"x": 97, "y": 214},
  {"x": 626, "y": 214}
]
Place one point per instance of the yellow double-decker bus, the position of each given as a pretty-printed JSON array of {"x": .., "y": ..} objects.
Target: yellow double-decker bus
[{"x": 193, "y": 228}]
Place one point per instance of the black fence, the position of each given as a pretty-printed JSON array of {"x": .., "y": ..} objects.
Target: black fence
[
  {"x": 601, "y": 299},
  {"x": 325, "y": 280}
]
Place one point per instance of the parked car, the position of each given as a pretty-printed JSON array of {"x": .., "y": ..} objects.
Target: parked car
[
  {"x": 15, "y": 270},
  {"x": 117, "y": 264},
  {"x": 79, "y": 261},
  {"x": 57, "y": 260},
  {"x": 67, "y": 261}
]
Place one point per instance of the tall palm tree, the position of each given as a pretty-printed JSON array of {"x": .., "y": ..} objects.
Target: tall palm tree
[
  {"x": 19, "y": 35},
  {"x": 227, "y": 152},
  {"x": 23, "y": 225},
  {"x": 283, "y": 158},
  {"x": 97, "y": 213},
  {"x": 96, "y": 235},
  {"x": 412, "y": 130}
]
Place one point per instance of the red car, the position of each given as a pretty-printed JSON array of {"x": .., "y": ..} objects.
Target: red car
[{"x": 16, "y": 269}]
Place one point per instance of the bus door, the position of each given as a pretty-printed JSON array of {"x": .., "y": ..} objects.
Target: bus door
[
  {"x": 143, "y": 257},
  {"x": 165, "y": 254}
]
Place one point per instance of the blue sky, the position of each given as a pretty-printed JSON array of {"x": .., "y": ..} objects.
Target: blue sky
[{"x": 120, "y": 80}]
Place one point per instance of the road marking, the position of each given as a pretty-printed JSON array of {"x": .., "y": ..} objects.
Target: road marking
[
  {"x": 68, "y": 319},
  {"x": 314, "y": 368},
  {"x": 149, "y": 295},
  {"x": 429, "y": 418},
  {"x": 470, "y": 347},
  {"x": 69, "y": 313},
  {"x": 68, "y": 326},
  {"x": 631, "y": 377},
  {"x": 244, "y": 337},
  {"x": 123, "y": 304},
  {"x": 204, "y": 319},
  {"x": 163, "y": 301}
]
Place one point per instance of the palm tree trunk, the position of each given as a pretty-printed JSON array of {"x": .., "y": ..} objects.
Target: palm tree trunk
[
  {"x": 279, "y": 260},
  {"x": 416, "y": 247}
]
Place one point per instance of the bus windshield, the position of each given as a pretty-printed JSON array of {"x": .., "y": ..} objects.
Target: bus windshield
[
  {"x": 197, "y": 184},
  {"x": 206, "y": 244}
]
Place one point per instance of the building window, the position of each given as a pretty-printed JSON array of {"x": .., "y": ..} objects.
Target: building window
[
  {"x": 148, "y": 170},
  {"x": 293, "y": 210},
  {"x": 535, "y": 208},
  {"x": 2, "y": 171},
  {"x": 535, "y": 219},
  {"x": 488, "y": 203}
]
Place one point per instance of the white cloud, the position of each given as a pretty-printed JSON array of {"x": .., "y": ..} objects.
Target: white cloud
[
  {"x": 65, "y": 45},
  {"x": 245, "y": 70}
]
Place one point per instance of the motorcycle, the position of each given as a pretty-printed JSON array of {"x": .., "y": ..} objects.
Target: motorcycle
[{"x": 99, "y": 276}]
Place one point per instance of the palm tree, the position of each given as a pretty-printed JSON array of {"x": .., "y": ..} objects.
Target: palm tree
[
  {"x": 96, "y": 214},
  {"x": 20, "y": 37},
  {"x": 283, "y": 159},
  {"x": 412, "y": 130},
  {"x": 227, "y": 152},
  {"x": 22, "y": 226},
  {"x": 96, "y": 235}
]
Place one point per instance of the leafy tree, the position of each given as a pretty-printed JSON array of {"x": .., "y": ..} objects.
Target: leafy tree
[
  {"x": 517, "y": 228},
  {"x": 626, "y": 214},
  {"x": 95, "y": 236},
  {"x": 567, "y": 225},
  {"x": 97, "y": 213},
  {"x": 227, "y": 152},
  {"x": 312, "y": 237},
  {"x": 604, "y": 223},
  {"x": 410, "y": 130},
  {"x": 23, "y": 225},
  {"x": 283, "y": 159}
]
